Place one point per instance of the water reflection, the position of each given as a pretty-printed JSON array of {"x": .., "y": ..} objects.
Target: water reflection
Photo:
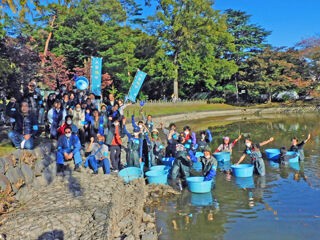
[{"x": 281, "y": 205}]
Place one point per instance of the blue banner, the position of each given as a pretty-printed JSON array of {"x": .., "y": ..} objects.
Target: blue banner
[
  {"x": 136, "y": 85},
  {"x": 96, "y": 68}
]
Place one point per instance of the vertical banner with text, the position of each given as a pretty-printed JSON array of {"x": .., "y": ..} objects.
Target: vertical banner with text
[
  {"x": 96, "y": 68},
  {"x": 136, "y": 85}
]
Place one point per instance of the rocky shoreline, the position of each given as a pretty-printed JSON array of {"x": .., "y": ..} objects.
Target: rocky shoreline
[{"x": 76, "y": 206}]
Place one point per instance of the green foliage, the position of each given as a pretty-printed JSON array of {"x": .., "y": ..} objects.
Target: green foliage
[
  {"x": 193, "y": 41},
  {"x": 216, "y": 100}
]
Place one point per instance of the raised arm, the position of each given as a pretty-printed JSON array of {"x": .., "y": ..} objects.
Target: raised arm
[
  {"x": 134, "y": 125},
  {"x": 267, "y": 141},
  {"x": 308, "y": 138},
  {"x": 209, "y": 135},
  {"x": 236, "y": 140},
  {"x": 126, "y": 132}
]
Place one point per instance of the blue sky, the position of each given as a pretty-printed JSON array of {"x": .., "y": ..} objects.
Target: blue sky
[{"x": 289, "y": 20}]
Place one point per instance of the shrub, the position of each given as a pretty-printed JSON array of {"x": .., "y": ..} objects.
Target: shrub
[{"x": 216, "y": 100}]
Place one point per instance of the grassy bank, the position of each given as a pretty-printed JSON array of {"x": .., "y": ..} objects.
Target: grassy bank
[
  {"x": 166, "y": 109},
  {"x": 163, "y": 109}
]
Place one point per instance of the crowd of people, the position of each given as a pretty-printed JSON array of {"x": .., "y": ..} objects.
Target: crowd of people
[{"x": 82, "y": 122}]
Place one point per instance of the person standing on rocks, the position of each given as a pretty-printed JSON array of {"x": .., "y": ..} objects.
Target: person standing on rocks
[
  {"x": 26, "y": 126},
  {"x": 68, "y": 148},
  {"x": 98, "y": 157}
]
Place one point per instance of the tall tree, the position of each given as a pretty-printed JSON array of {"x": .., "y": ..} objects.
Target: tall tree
[
  {"x": 272, "y": 71},
  {"x": 193, "y": 42},
  {"x": 249, "y": 39},
  {"x": 310, "y": 49}
]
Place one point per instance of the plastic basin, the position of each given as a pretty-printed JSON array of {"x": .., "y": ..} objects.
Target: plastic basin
[
  {"x": 273, "y": 154},
  {"x": 245, "y": 182},
  {"x": 199, "y": 154},
  {"x": 295, "y": 159},
  {"x": 222, "y": 156},
  {"x": 295, "y": 166},
  {"x": 274, "y": 164},
  {"x": 242, "y": 170},
  {"x": 157, "y": 177},
  {"x": 197, "y": 185},
  {"x": 130, "y": 173},
  {"x": 160, "y": 168},
  {"x": 168, "y": 161},
  {"x": 201, "y": 199}
]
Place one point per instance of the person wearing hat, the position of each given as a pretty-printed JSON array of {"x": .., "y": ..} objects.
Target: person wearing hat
[
  {"x": 209, "y": 164},
  {"x": 135, "y": 144},
  {"x": 226, "y": 146},
  {"x": 157, "y": 148}
]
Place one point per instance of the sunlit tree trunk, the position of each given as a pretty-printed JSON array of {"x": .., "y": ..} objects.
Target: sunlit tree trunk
[{"x": 48, "y": 41}]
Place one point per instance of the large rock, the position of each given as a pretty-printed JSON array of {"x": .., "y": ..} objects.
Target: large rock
[
  {"x": 27, "y": 173},
  {"x": 2, "y": 166},
  {"x": 23, "y": 195},
  {"x": 5, "y": 184},
  {"x": 14, "y": 174}
]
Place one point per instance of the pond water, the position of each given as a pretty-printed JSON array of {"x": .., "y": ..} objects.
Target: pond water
[{"x": 285, "y": 204}]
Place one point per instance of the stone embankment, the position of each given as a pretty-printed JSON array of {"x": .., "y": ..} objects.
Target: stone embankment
[{"x": 36, "y": 204}]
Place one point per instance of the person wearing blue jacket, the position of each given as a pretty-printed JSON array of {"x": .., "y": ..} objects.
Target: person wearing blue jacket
[
  {"x": 25, "y": 128},
  {"x": 68, "y": 148},
  {"x": 135, "y": 144}
]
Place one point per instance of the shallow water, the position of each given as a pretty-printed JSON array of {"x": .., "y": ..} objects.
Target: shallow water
[{"x": 284, "y": 205}]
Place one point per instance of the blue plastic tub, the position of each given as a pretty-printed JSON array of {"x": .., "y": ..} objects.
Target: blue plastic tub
[
  {"x": 199, "y": 154},
  {"x": 274, "y": 164},
  {"x": 295, "y": 159},
  {"x": 222, "y": 156},
  {"x": 168, "y": 161},
  {"x": 197, "y": 185},
  {"x": 242, "y": 170},
  {"x": 245, "y": 182},
  {"x": 157, "y": 177},
  {"x": 130, "y": 173},
  {"x": 273, "y": 154},
  {"x": 201, "y": 199},
  {"x": 295, "y": 166},
  {"x": 160, "y": 168}
]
